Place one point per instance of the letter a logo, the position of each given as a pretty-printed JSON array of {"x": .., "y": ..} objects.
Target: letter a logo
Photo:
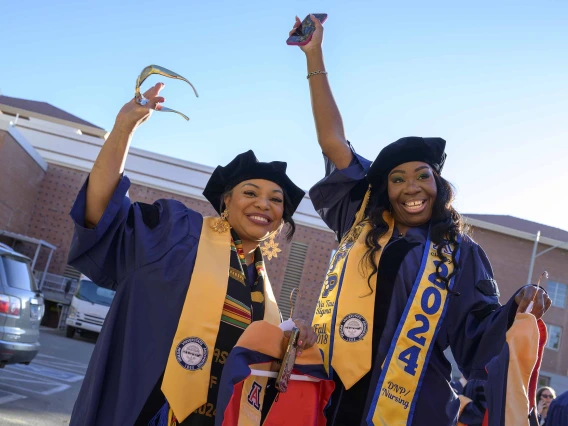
[{"x": 254, "y": 395}]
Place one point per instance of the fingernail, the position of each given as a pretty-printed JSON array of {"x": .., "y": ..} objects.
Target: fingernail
[
  {"x": 300, "y": 343},
  {"x": 299, "y": 353}
]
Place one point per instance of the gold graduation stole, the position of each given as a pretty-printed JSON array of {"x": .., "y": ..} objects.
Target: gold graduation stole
[
  {"x": 347, "y": 346},
  {"x": 187, "y": 375},
  {"x": 343, "y": 321}
]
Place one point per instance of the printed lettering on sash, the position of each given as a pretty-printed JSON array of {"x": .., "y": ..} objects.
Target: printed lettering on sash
[
  {"x": 405, "y": 365},
  {"x": 254, "y": 395},
  {"x": 207, "y": 410},
  {"x": 431, "y": 303}
]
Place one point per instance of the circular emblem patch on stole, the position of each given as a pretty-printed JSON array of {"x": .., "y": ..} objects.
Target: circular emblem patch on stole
[
  {"x": 353, "y": 328},
  {"x": 191, "y": 353}
]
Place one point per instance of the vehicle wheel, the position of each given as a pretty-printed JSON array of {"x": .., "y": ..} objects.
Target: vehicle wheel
[{"x": 70, "y": 332}]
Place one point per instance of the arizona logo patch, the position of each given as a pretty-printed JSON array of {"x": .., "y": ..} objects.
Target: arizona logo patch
[{"x": 254, "y": 395}]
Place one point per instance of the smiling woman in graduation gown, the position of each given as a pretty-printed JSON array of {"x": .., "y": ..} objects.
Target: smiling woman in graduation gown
[
  {"x": 406, "y": 282},
  {"x": 186, "y": 285}
]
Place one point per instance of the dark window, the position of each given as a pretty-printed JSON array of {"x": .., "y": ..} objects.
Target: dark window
[{"x": 18, "y": 273}]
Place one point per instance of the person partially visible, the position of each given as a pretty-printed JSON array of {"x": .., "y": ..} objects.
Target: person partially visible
[
  {"x": 406, "y": 282},
  {"x": 187, "y": 286},
  {"x": 558, "y": 411},
  {"x": 544, "y": 396}
]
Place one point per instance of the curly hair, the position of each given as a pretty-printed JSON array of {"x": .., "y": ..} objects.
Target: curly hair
[
  {"x": 286, "y": 215},
  {"x": 446, "y": 226}
]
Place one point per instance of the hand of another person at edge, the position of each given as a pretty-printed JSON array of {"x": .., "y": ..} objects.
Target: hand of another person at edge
[
  {"x": 132, "y": 114},
  {"x": 317, "y": 37},
  {"x": 542, "y": 407},
  {"x": 307, "y": 338},
  {"x": 541, "y": 300}
]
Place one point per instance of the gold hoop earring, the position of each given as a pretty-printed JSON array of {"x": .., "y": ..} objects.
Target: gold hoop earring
[
  {"x": 221, "y": 225},
  {"x": 270, "y": 248}
]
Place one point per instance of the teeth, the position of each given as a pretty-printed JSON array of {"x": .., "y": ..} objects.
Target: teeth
[
  {"x": 262, "y": 219},
  {"x": 414, "y": 203}
]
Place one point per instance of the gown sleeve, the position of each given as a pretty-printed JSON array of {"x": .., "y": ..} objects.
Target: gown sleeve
[
  {"x": 128, "y": 235},
  {"x": 339, "y": 194},
  {"x": 477, "y": 322}
]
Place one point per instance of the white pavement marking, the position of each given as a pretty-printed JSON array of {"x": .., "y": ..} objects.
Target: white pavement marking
[
  {"x": 60, "y": 363},
  {"x": 18, "y": 379},
  {"x": 9, "y": 397},
  {"x": 42, "y": 377},
  {"x": 52, "y": 373}
]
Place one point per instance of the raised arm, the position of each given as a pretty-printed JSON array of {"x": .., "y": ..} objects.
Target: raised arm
[
  {"x": 109, "y": 166},
  {"x": 329, "y": 125}
]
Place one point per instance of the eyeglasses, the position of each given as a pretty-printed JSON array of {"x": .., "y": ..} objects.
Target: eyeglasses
[{"x": 546, "y": 396}]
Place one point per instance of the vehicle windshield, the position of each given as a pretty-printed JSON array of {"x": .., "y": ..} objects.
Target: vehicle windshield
[
  {"x": 90, "y": 292},
  {"x": 18, "y": 273}
]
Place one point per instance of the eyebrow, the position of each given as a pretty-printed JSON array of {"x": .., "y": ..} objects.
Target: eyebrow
[
  {"x": 258, "y": 187},
  {"x": 403, "y": 172}
]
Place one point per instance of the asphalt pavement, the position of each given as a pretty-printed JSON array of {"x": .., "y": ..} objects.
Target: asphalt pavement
[{"x": 43, "y": 393}]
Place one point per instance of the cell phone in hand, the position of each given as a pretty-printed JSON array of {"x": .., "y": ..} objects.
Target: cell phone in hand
[{"x": 304, "y": 32}]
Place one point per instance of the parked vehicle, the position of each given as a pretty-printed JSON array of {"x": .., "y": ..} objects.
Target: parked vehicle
[
  {"x": 21, "y": 308},
  {"x": 89, "y": 308}
]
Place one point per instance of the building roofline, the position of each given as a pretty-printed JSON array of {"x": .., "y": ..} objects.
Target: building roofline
[
  {"x": 476, "y": 223},
  {"x": 93, "y": 130}
]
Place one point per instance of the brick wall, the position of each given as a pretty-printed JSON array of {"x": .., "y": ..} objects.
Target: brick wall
[
  {"x": 20, "y": 178},
  {"x": 51, "y": 221}
]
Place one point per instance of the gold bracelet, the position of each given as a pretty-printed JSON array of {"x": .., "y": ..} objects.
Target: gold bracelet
[{"x": 315, "y": 73}]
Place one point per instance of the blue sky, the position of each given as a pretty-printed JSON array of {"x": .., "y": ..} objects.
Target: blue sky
[{"x": 489, "y": 78}]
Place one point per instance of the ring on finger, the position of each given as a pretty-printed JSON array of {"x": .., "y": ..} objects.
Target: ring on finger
[{"x": 140, "y": 100}]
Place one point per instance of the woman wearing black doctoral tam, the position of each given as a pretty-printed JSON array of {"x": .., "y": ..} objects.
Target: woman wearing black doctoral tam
[
  {"x": 186, "y": 285},
  {"x": 406, "y": 281}
]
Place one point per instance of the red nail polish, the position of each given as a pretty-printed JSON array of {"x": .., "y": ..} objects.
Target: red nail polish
[{"x": 300, "y": 343}]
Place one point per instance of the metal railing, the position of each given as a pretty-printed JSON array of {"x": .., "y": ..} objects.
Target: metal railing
[{"x": 57, "y": 288}]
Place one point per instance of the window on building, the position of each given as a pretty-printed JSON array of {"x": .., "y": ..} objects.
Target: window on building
[
  {"x": 554, "y": 335},
  {"x": 292, "y": 276},
  {"x": 557, "y": 293},
  {"x": 543, "y": 381}
]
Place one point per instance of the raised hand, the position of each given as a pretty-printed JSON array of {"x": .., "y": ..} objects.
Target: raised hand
[
  {"x": 132, "y": 114},
  {"x": 317, "y": 36},
  {"x": 532, "y": 293}
]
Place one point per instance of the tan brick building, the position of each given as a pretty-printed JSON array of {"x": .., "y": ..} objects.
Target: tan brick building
[{"x": 46, "y": 153}]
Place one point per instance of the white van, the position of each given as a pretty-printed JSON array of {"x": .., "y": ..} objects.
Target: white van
[{"x": 89, "y": 308}]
